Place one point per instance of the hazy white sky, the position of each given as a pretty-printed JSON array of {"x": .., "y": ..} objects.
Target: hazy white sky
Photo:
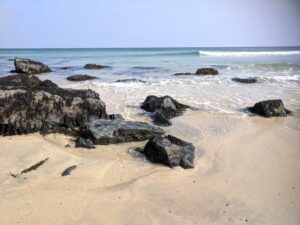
[{"x": 148, "y": 23}]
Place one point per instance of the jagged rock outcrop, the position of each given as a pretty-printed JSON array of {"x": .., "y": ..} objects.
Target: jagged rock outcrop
[
  {"x": 29, "y": 66},
  {"x": 103, "y": 132},
  {"x": 270, "y": 108},
  {"x": 170, "y": 151},
  {"x": 249, "y": 80},
  {"x": 207, "y": 71},
  {"x": 94, "y": 66},
  {"x": 28, "y": 105},
  {"x": 80, "y": 77},
  {"x": 168, "y": 106}
]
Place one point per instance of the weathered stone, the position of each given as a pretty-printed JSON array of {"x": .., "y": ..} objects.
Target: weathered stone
[
  {"x": 29, "y": 66},
  {"x": 103, "y": 132},
  {"x": 166, "y": 105},
  {"x": 249, "y": 80},
  {"x": 207, "y": 71},
  {"x": 170, "y": 151},
  {"x": 80, "y": 77},
  {"x": 28, "y": 105},
  {"x": 94, "y": 66},
  {"x": 270, "y": 108}
]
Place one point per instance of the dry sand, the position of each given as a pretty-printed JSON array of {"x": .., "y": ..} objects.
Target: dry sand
[{"x": 247, "y": 172}]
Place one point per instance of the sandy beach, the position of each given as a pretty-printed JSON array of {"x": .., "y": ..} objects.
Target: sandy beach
[{"x": 246, "y": 172}]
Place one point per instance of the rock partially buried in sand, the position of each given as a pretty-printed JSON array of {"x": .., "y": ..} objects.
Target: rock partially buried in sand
[
  {"x": 249, "y": 80},
  {"x": 28, "y": 105},
  {"x": 103, "y": 132},
  {"x": 170, "y": 151},
  {"x": 270, "y": 108},
  {"x": 94, "y": 67},
  {"x": 84, "y": 143},
  {"x": 160, "y": 119},
  {"x": 68, "y": 171},
  {"x": 80, "y": 77},
  {"x": 29, "y": 66},
  {"x": 168, "y": 106},
  {"x": 130, "y": 81},
  {"x": 207, "y": 71}
]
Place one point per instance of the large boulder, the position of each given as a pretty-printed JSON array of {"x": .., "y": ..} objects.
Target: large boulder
[
  {"x": 28, "y": 104},
  {"x": 103, "y": 132},
  {"x": 94, "y": 66},
  {"x": 270, "y": 108},
  {"x": 168, "y": 106},
  {"x": 170, "y": 151},
  {"x": 80, "y": 77},
  {"x": 29, "y": 66},
  {"x": 207, "y": 71}
]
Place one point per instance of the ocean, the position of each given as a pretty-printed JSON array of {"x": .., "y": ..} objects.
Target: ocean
[{"x": 277, "y": 70}]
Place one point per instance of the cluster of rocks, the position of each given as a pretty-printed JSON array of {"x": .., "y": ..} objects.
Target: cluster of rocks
[{"x": 199, "y": 72}]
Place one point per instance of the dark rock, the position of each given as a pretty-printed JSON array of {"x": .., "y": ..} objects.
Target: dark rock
[
  {"x": 94, "y": 67},
  {"x": 29, "y": 66},
  {"x": 249, "y": 80},
  {"x": 166, "y": 105},
  {"x": 28, "y": 105},
  {"x": 31, "y": 168},
  {"x": 116, "y": 117},
  {"x": 130, "y": 81},
  {"x": 103, "y": 132},
  {"x": 160, "y": 119},
  {"x": 65, "y": 67},
  {"x": 68, "y": 171},
  {"x": 170, "y": 151},
  {"x": 183, "y": 74},
  {"x": 80, "y": 77},
  {"x": 207, "y": 71},
  {"x": 270, "y": 108},
  {"x": 13, "y": 71},
  {"x": 83, "y": 143}
]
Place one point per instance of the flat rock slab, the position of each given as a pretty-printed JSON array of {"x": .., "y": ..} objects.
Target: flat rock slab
[
  {"x": 270, "y": 108},
  {"x": 104, "y": 132},
  {"x": 130, "y": 81},
  {"x": 170, "y": 151},
  {"x": 29, "y": 66},
  {"x": 249, "y": 80}
]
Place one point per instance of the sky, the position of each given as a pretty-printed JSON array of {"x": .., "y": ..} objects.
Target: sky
[{"x": 148, "y": 23}]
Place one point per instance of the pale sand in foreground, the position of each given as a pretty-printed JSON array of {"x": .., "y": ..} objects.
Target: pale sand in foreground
[{"x": 247, "y": 172}]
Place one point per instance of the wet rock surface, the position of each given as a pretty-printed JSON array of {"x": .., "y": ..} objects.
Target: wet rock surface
[
  {"x": 183, "y": 74},
  {"x": 249, "y": 80},
  {"x": 166, "y": 105},
  {"x": 170, "y": 151},
  {"x": 91, "y": 66},
  {"x": 28, "y": 105},
  {"x": 207, "y": 71},
  {"x": 270, "y": 108},
  {"x": 103, "y": 132},
  {"x": 80, "y": 77},
  {"x": 130, "y": 81},
  {"x": 28, "y": 66},
  {"x": 159, "y": 119}
]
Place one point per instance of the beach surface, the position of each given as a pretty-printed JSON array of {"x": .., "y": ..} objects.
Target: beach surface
[{"x": 246, "y": 172}]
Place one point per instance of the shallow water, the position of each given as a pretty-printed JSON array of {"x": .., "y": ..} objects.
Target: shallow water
[{"x": 277, "y": 69}]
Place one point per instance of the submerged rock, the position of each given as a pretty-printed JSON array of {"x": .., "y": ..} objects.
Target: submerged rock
[
  {"x": 80, "y": 77},
  {"x": 249, "y": 80},
  {"x": 28, "y": 105},
  {"x": 207, "y": 71},
  {"x": 83, "y": 143},
  {"x": 29, "y": 66},
  {"x": 270, "y": 108},
  {"x": 103, "y": 132},
  {"x": 168, "y": 106},
  {"x": 160, "y": 119},
  {"x": 183, "y": 74},
  {"x": 94, "y": 66},
  {"x": 130, "y": 81},
  {"x": 170, "y": 151}
]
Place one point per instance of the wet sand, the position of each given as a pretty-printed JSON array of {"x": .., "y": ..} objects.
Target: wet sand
[{"x": 247, "y": 172}]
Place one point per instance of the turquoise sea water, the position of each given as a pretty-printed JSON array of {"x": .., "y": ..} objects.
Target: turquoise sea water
[{"x": 277, "y": 68}]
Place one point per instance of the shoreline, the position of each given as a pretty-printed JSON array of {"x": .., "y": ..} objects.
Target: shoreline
[{"x": 246, "y": 173}]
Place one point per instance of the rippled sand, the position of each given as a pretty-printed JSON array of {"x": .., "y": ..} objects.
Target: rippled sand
[{"x": 247, "y": 172}]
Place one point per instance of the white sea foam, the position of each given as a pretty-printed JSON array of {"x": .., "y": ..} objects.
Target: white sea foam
[{"x": 248, "y": 53}]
